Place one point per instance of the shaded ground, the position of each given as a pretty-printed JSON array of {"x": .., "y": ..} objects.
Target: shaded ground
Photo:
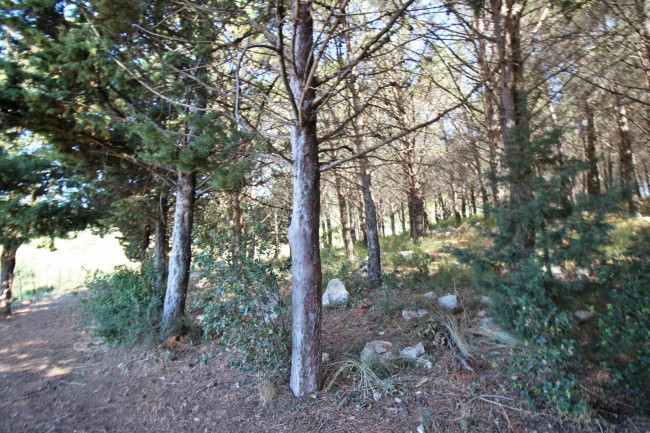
[{"x": 54, "y": 377}]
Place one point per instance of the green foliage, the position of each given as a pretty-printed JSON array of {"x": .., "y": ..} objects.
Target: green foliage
[
  {"x": 245, "y": 305},
  {"x": 335, "y": 265},
  {"x": 124, "y": 306},
  {"x": 624, "y": 327},
  {"x": 39, "y": 197},
  {"x": 529, "y": 295}
]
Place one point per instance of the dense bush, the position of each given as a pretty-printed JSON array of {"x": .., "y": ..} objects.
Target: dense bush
[
  {"x": 625, "y": 326},
  {"x": 124, "y": 306},
  {"x": 525, "y": 279},
  {"x": 245, "y": 305}
]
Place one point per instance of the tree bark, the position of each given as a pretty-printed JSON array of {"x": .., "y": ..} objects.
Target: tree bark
[
  {"x": 161, "y": 245},
  {"x": 593, "y": 179},
  {"x": 7, "y": 277},
  {"x": 392, "y": 219},
  {"x": 144, "y": 242},
  {"x": 303, "y": 231},
  {"x": 235, "y": 225},
  {"x": 514, "y": 123},
  {"x": 626, "y": 159},
  {"x": 345, "y": 219},
  {"x": 403, "y": 217},
  {"x": 181, "y": 257},
  {"x": 416, "y": 212}
]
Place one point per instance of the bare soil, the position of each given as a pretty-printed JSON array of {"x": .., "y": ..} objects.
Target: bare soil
[{"x": 55, "y": 377}]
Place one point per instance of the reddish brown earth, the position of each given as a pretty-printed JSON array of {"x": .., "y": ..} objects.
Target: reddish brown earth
[{"x": 54, "y": 377}]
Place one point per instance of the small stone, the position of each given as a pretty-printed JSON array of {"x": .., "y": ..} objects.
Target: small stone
[
  {"x": 325, "y": 357},
  {"x": 485, "y": 300},
  {"x": 413, "y": 352},
  {"x": 582, "y": 272},
  {"x": 430, "y": 296},
  {"x": 377, "y": 351},
  {"x": 212, "y": 384},
  {"x": 406, "y": 254},
  {"x": 376, "y": 395},
  {"x": 425, "y": 363},
  {"x": 449, "y": 302},
  {"x": 410, "y": 314},
  {"x": 583, "y": 316},
  {"x": 196, "y": 419},
  {"x": 481, "y": 314}
]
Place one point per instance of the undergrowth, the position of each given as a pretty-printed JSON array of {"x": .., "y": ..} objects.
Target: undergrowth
[{"x": 124, "y": 306}]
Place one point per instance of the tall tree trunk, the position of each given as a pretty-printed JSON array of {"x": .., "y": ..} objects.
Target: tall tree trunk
[
  {"x": 328, "y": 221},
  {"x": 353, "y": 224},
  {"x": 303, "y": 231},
  {"x": 416, "y": 212},
  {"x": 235, "y": 225},
  {"x": 181, "y": 254},
  {"x": 161, "y": 245},
  {"x": 593, "y": 179},
  {"x": 403, "y": 219},
  {"x": 514, "y": 124},
  {"x": 345, "y": 221},
  {"x": 626, "y": 160},
  {"x": 392, "y": 217},
  {"x": 7, "y": 277},
  {"x": 472, "y": 197},
  {"x": 362, "y": 224},
  {"x": 144, "y": 242},
  {"x": 371, "y": 230},
  {"x": 463, "y": 204},
  {"x": 479, "y": 175}
]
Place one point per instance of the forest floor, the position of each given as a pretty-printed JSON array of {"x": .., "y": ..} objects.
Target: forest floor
[{"x": 55, "y": 377}]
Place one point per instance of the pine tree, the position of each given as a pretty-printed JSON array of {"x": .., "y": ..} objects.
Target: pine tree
[{"x": 38, "y": 197}]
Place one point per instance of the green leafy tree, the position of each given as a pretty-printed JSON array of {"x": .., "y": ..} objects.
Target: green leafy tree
[{"x": 38, "y": 197}]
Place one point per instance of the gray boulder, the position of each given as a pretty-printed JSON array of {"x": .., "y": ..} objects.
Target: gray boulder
[
  {"x": 406, "y": 254},
  {"x": 583, "y": 316},
  {"x": 413, "y": 352},
  {"x": 335, "y": 295},
  {"x": 430, "y": 296},
  {"x": 485, "y": 300},
  {"x": 377, "y": 352},
  {"x": 449, "y": 302}
]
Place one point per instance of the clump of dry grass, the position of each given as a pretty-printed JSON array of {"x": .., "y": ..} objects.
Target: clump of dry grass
[
  {"x": 266, "y": 391},
  {"x": 365, "y": 380}
]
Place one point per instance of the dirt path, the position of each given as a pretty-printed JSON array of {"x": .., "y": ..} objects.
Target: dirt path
[{"x": 54, "y": 377}]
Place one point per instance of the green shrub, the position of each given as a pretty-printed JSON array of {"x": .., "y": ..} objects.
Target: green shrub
[
  {"x": 625, "y": 327},
  {"x": 124, "y": 306},
  {"x": 245, "y": 306}
]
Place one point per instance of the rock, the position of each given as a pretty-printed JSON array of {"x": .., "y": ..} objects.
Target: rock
[
  {"x": 413, "y": 352},
  {"x": 335, "y": 295},
  {"x": 583, "y": 316},
  {"x": 377, "y": 352},
  {"x": 406, "y": 254},
  {"x": 425, "y": 363},
  {"x": 485, "y": 300},
  {"x": 430, "y": 296},
  {"x": 582, "y": 272},
  {"x": 477, "y": 225},
  {"x": 487, "y": 323},
  {"x": 449, "y": 302},
  {"x": 481, "y": 314},
  {"x": 410, "y": 314},
  {"x": 325, "y": 357},
  {"x": 376, "y": 395}
]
